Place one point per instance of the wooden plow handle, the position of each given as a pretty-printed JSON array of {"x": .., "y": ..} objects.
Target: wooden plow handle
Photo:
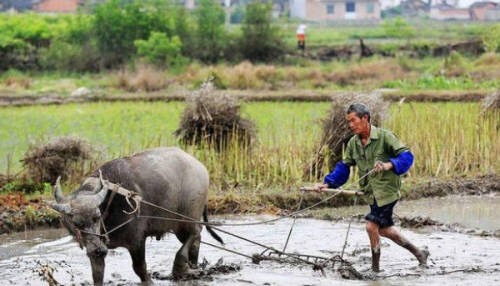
[{"x": 334, "y": 191}]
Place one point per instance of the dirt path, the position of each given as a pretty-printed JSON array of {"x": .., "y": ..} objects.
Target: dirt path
[{"x": 247, "y": 95}]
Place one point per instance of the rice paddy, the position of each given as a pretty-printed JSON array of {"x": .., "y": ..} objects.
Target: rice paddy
[{"x": 448, "y": 139}]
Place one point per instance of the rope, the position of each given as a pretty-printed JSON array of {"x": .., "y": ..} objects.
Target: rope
[{"x": 294, "y": 219}]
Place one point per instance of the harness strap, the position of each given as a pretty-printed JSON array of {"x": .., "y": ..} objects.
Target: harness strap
[{"x": 114, "y": 190}]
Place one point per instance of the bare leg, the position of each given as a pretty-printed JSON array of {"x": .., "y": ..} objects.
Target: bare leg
[
  {"x": 138, "y": 255},
  {"x": 396, "y": 236},
  {"x": 373, "y": 233}
]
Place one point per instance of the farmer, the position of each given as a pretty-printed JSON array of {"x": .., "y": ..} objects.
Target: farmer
[
  {"x": 301, "y": 37},
  {"x": 380, "y": 153}
]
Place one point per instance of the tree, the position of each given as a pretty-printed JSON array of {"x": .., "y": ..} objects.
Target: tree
[
  {"x": 210, "y": 30},
  {"x": 260, "y": 40},
  {"x": 119, "y": 23}
]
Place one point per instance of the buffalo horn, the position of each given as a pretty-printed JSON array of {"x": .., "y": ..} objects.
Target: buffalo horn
[
  {"x": 99, "y": 197},
  {"x": 62, "y": 208},
  {"x": 58, "y": 192}
]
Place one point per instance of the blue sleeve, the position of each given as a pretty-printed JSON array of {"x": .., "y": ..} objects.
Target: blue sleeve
[
  {"x": 338, "y": 177},
  {"x": 402, "y": 162}
]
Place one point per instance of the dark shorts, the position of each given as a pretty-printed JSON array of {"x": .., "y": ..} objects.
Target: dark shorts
[{"x": 381, "y": 215}]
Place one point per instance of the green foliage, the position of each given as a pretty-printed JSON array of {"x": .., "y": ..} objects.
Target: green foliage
[
  {"x": 161, "y": 50},
  {"x": 210, "y": 34},
  {"x": 441, "y": 83},
  {"x": 238, "y": 14},
  {"x": 119, "y": 23},
  {"x": 72, "y": 57},
  {"x": 398, "y": 28},
  {"x": 491, "y": 38},
  {"x": 260, "y": 40}
]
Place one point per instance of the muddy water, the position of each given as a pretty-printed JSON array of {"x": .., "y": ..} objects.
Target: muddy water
[
  {"x": 22, "y": 255},
  {"x": 470, "y": 211}
]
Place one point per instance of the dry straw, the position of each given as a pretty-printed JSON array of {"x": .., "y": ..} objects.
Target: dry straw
[
  {"x": 492, "y": 101},
  {"x": 336, "y": 132},
  {"x": 213, "y": 118},
  {"x": 63, "y": 156}
]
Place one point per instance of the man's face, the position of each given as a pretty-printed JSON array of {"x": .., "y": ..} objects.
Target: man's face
[{"x": 357, "y": 125}]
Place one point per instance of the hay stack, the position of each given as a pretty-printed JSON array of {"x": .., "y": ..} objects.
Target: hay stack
[
  {"x": 492, "y": 101},
  {"x": 214, "y": 119},
  {"x": 63, "y": 156},
  {"x": 336, "y": 132}
]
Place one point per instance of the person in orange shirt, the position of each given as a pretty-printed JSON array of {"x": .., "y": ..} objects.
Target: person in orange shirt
[{"x": 301, "y": 37}]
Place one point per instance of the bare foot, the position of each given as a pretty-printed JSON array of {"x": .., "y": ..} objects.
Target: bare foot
[{"x": 422, "y": 258}]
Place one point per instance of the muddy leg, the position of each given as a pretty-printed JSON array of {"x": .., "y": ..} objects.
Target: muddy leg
[
  {"x": 396, "y": 236},
  {"x": 194, "y": 251},
  {"x": 181, "y": 265},
  {"x": 372, "y": 230},
  {"x": 138, "y": 255},
  {"x": 98, "y": 265}
]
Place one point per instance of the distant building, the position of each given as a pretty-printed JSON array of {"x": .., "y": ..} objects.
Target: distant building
[
  {"x": 16, "y": 6},
  {"x": 328, "y": 10},
  {"x": 415, "y": 8},
  {"x": 56, "y": 6},
  {"x": 485, "y": 11},
  {"x": 446, "y": 11}
]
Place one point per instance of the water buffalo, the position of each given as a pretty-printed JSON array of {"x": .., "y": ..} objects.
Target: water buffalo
[{"x": 167, "y": 177}]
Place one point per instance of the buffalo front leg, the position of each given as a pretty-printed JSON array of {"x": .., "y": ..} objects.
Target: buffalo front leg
[
  {"x": 181, "y": 265},
  {"x": 138, "y": 255},
  {"x": 98, "y": 265}
]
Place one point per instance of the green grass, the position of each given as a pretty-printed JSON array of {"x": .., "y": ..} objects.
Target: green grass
[{"x": 447, "y": 138}]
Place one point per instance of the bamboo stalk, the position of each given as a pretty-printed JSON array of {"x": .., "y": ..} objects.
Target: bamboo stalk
[{"x": 335, "y": 191}]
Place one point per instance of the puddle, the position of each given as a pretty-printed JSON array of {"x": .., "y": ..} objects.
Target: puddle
[{"x": 23, "y": 254}]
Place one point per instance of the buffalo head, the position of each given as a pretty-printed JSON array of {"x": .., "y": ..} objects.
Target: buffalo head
[{"x": 81, "y": 215}]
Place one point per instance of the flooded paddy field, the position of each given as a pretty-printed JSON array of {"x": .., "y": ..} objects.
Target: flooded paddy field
[{"x": 456, "y": 259}]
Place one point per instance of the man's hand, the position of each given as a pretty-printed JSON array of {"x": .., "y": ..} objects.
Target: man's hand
[
  {"x": 381, "y": 166},
  {"x": 318, "y": 188}
]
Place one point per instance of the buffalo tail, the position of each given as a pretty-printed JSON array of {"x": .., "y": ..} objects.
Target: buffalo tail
[{"x": 210, "y": 230}]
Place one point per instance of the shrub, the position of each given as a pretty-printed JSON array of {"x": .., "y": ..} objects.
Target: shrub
[
  {"x": 15, "y": 78},
  {"x": 260, "y": 40},
  {"x": 64, "y": 56},
  {"x": 491, "y": 38},
  {"x": 398, "y": 28},
  {"x": 161, "y": 50},
  {"x": 144, "y": 78}
]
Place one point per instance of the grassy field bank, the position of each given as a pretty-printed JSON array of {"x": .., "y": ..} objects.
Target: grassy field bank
[
  {"x": 456, "y": 73},
  {"x": 448, "y": 139}
]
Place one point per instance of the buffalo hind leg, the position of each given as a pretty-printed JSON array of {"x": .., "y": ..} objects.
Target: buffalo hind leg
[
  {"x": 138, "y": 255},
  {"x": 187, "y": 253}
]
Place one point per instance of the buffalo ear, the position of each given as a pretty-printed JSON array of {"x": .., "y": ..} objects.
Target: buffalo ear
[
  {"x": 62, "y": 208},
  {"x": 58, "y": 194}
]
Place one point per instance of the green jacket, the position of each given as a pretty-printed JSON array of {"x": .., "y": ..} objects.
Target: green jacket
[{"x": 382, "y": 145}]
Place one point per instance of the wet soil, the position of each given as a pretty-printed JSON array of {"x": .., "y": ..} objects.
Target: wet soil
[
  {"x": 19, "y": 214},
  {"x": 456, "y": 258}
]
